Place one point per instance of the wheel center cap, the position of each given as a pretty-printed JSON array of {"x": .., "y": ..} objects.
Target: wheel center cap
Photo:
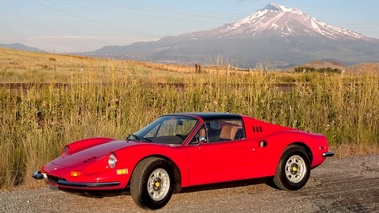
[
  {"x": 157, "y": 184},
  {"x": 294, "y": 168}
]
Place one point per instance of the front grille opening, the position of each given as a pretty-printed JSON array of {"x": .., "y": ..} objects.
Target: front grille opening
[{"x": 54, "y": 179}]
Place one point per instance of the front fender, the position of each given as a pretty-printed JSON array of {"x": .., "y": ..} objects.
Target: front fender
[{"x": 86, "y": 143}]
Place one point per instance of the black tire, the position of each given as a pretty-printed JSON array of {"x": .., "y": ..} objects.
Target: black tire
[
  {"x": 151, "y": 185},
  {"x": 293, "y": 170}
]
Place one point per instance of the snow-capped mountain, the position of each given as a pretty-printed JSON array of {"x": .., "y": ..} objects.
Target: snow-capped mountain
[
  {"x": 284, "y": 36},
  {"x": 283, "y": 21},
  {"x": 277, "y": 20}
]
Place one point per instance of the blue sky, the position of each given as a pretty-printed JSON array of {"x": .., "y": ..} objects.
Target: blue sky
[{"x": 86, "y": 25}]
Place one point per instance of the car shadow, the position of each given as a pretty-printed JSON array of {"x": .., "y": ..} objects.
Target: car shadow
[
  {"x": 207, "y": 187},
  {"x": 224, "y": 185}
]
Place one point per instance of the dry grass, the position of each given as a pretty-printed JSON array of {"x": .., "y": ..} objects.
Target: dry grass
[
  {"x": 349, "y": 150},
  {"x": 113, "y": 98}
]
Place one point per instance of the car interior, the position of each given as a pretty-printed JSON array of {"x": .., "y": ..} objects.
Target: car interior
[{"x": 215, "y": 132}]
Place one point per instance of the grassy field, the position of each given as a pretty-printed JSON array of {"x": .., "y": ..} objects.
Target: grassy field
[{"x": 114, "y": 98}]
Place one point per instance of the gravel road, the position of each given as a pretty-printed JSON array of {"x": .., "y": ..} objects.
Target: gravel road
[{"x": 339, "y": 185}]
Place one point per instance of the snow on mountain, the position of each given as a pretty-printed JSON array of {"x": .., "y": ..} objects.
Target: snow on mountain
[{"x": 277, "y": 20}]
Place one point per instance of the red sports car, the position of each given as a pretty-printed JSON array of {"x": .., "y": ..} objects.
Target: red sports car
[{"x": 181, "y": 150}]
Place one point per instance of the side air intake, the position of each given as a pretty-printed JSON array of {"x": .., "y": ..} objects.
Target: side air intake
[{"x": 257, "y": 129}]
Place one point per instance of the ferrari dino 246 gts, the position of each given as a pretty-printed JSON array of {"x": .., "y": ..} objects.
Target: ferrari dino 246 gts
[{"x": 181, "y": 150}]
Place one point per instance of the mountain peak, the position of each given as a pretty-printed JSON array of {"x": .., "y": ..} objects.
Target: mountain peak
[
  {"x": 275, "y": 7},
  {"x": 278, "y": 20}
]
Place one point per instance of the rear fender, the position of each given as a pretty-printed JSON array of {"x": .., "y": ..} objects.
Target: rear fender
[{"x": 276, "y": 144}]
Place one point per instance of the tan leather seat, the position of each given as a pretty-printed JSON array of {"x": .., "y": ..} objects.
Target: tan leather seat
[{"x": 228, "y": 132}]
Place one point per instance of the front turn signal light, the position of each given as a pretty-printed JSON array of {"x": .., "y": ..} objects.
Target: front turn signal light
[{"x": 75, "y": 174}]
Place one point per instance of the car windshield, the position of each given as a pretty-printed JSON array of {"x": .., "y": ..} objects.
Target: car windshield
[{"x": 170, "y": 129}]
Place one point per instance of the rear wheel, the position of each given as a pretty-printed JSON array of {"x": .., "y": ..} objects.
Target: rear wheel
[
  {"x": 151, "y": 185},
  {"x": 293, "y": 170}
]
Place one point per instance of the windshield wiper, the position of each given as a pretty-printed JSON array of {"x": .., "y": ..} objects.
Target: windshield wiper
[
  {"x": 139, "y": 138},
  {"x": 146, "y": 139}
]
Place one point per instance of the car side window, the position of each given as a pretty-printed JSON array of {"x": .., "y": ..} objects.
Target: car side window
[{"x": 225, "y": 130}]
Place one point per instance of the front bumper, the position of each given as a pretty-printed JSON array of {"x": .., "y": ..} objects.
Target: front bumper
[
  {"x": 327, "y": 154},
  {"x": 63, "y": 183},
  {"x": 89, "y": 184},
  {"x": 39, "y": 175}
]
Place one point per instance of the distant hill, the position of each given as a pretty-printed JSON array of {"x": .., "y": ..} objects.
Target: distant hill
[
  {"x": 321, "y": 64},
  {"x": 283, "y": 37},
  {"x": 371, "y": 66},
  {"x": 19, "y": 46}
]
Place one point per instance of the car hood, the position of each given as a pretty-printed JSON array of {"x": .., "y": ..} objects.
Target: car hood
[{"x": 92, "y": 154}]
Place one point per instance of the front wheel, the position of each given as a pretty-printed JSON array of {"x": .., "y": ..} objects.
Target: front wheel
[
  {"x": 151, "y": 185},
  {"x": 293, "y": 170}
]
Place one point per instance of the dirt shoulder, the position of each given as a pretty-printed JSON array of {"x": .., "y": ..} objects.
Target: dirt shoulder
[{"x": 339, "y": 185}]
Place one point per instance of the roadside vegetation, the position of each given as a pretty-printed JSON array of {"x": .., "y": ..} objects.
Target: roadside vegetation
[{"x": 113, "y": 98}]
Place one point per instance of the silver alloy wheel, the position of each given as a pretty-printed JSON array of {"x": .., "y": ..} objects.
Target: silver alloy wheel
[
  {"x": 295, "y": 168},
  {"x": 158, "y": 184}
]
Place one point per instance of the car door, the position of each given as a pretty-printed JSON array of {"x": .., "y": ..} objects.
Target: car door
[{"x": 220, "y": 161}]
